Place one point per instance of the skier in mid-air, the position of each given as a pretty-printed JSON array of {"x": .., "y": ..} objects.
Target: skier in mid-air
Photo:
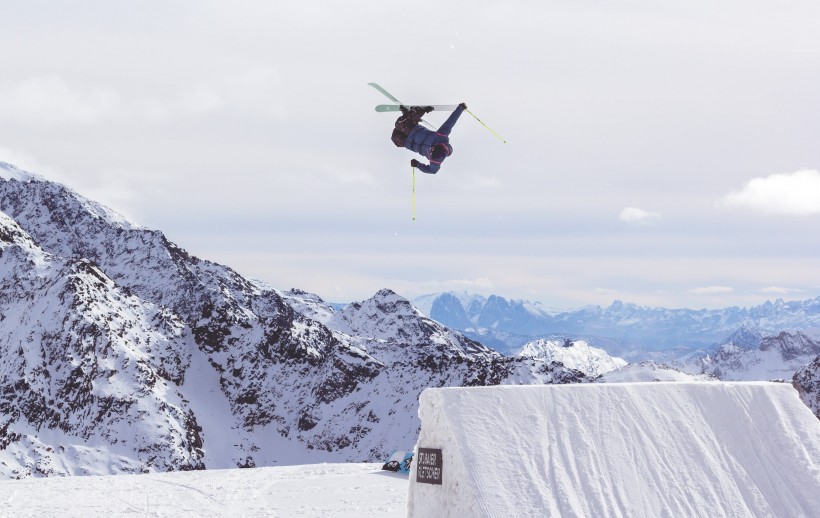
[{"x": 433, "y": 145}]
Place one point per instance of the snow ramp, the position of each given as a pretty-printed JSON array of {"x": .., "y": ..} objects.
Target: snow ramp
[{"x": 631, "y": 449}]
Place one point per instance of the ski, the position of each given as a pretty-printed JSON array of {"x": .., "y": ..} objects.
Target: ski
[
  {"x": 387, "y": 94},
  {"x": 384, "y": 92},
  {"x": 395, "y": 107}
]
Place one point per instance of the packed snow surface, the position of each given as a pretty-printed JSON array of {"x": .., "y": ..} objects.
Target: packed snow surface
[
  {"x": 631, "y": 449},
  {"x": 337, "y": 490}
]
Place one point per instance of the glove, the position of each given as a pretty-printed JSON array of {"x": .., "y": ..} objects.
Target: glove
[
  {"x": 415, "y": 163},
  {"x": 463, "y": 105},
  {"x": 428, "y": 109}
]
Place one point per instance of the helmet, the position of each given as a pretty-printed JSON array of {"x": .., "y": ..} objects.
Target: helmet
[{"x": 440, "y": 151}]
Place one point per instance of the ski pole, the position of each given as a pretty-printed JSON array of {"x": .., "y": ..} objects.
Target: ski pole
[
  {"x": 413, "y": 194},
  {"x": 482, "y": 123}
]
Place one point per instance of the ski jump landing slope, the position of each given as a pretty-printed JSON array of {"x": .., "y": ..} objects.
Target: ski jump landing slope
[{"x": 634, "y": 449}]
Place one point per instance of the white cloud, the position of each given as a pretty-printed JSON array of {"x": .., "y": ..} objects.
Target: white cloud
[
  {"x": 638, "y": 216},
  {"x": 469, "y": 285},
  {"x": 49, "y": 100},
  {"x": 795, "y": 193},
  {"x": 711, "y": 290},
  {"x": 481, "y": 182},
  {"x": 347, "y": 175},
  {"x": 778, "y": 290}
]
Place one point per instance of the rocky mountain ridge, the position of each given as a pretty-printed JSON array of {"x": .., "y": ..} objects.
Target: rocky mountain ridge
[
  {"x": 807, "y": 382},
  {"x": 575, "y": 354},
  {"x": 772, "y": 357},
  {"x": 121, "y": 352},
  {"x": 623, "y": 329}
]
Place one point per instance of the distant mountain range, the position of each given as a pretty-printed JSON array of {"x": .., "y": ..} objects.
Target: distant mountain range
[
  {"x": 627, "y": 330},
  {"x": 765, "y": 342},
  {"x": 746, "y": 358}
]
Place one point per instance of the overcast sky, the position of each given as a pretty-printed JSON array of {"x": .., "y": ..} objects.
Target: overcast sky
[{"x": 661, "y": 153}]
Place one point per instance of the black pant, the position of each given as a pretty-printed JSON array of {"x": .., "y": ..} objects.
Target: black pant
[{"x": 405, "y": 124}]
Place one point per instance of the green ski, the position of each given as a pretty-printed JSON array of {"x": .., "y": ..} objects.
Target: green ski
[
  {"x": 383, "y": 91},
  {"x": 387, "y": 94},
  {"x": 395, "y": 107}
]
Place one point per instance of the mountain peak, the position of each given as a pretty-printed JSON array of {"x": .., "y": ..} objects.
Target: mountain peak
[
  {"x": 577, "y": 354},
  {"x": 385, "y": 315},
  {"x": 27, "y": 196},
  {"x": 388, "y": 295},
  {"x": 12, "y": 172}
]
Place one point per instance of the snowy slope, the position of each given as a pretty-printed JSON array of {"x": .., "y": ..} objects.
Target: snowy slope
[
  {"x": 308, "y": 304},
  {"x": 649, "y": 371},
  {"x": 88, "y": 372},
  {"x": 637, "y": 449},
  {"x": 577, "y": 354},
  {"x": 338, "y": 490},
  {"x": 772, "y": 357}
]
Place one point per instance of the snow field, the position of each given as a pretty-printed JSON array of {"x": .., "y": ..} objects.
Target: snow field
[
  {"x": 632, "y": 449},
  {"x": 317, "y": 490}
]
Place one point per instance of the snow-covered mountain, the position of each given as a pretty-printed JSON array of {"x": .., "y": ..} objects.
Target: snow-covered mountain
[
  {"x": 772, "y": 357},
  {"x": 121, "y": 352},
  {"x": 85, "y": 361},
  {"x": 649, "y": 370},
  {"x": 807, "y": 382},
  {"x": 629, "y": 330},
  {"x": 575, "y": 354}
]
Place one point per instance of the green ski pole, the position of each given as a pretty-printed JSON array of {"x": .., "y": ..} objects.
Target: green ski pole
[
  {"x": 413, "y": 194},
  {"x": 482, "y": 123}
]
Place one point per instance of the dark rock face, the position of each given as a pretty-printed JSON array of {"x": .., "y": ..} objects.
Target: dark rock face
[
  {"x": 807, "y": 383},
  {"x": 121, "y": 352},
  {"x": 775, "y": 357},
  {"x": 790, "y": 345},
  {"x": 82, "y": 358},
  {"x": 447, "y": 309}
]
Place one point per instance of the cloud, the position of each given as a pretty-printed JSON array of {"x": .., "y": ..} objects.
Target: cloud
[
  {"x": 347, "y": 175},
  {"x": 711, "y": 290},
  {"x": 636, "y": 216},
  {"x": 795, "y": 193},
  {"x": 481, "y": 182},
  {"x": 604, "y": 291},
  {"x": 778, "y": 290},
  {"x": 469, "y": 285},
  {"x": 49, "y": 100}
]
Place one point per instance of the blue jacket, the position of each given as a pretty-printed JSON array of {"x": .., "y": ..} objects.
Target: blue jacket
[{"x": 421, "y": 140}]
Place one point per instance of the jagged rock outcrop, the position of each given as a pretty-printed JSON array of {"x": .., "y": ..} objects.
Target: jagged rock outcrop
[
  {"x": 82, "y": 360},
  {"x": 807, "y": 382},
  {"x": 575, "y": 354},
  {"x": 775, "y": 357}
]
